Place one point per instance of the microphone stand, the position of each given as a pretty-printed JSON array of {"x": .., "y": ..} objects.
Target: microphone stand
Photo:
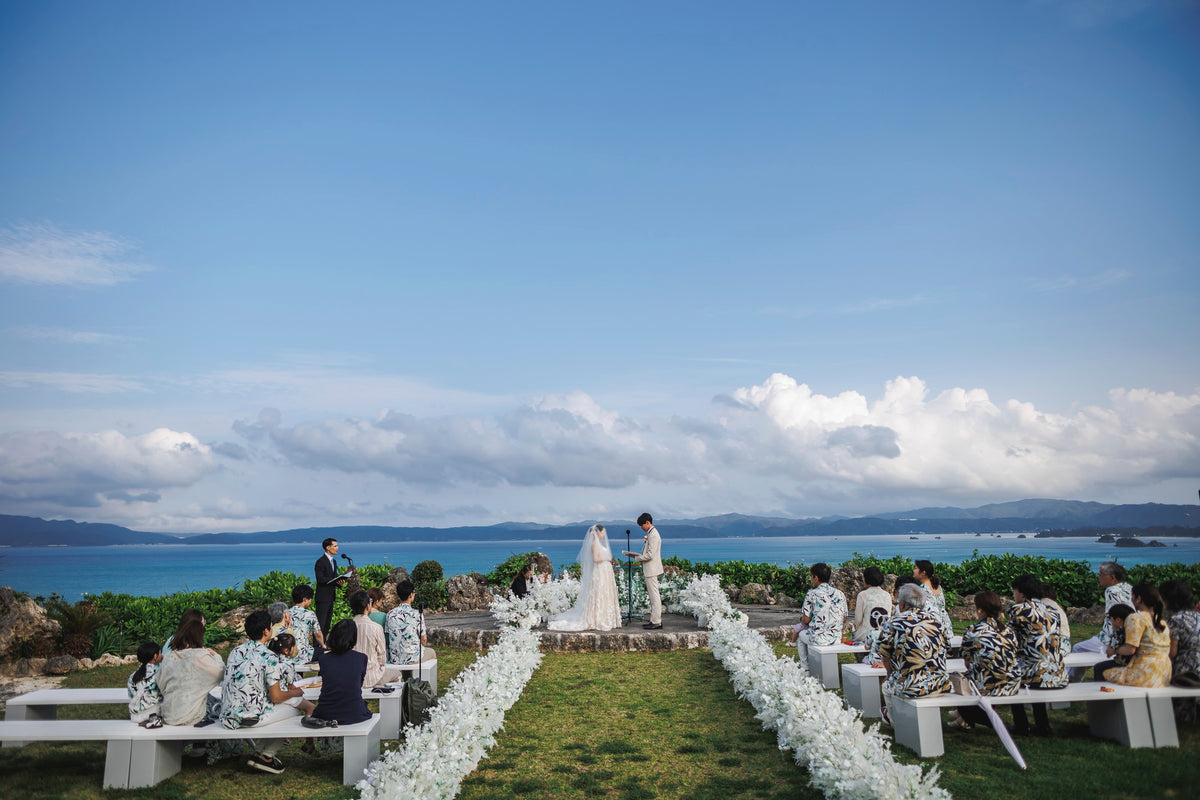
[{"x": 630, "y": 616}]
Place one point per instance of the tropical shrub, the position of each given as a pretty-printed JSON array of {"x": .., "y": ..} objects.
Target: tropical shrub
[
  {"x": 426, "y": 572},
  {"x": 79, "y": 622},
  {"x": 432, "y": 595},
  {"x": 506, "y": 570}
]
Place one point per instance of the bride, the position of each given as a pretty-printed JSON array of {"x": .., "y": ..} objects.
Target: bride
[{"x": 596, "y": 608}]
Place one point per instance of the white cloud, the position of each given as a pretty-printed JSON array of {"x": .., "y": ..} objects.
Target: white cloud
[
  {"x": 84, "y": 469},
  {"x": 72, "y": 382},
  {"x": 44, "y": 254},
  {"x": 1086, "y": 283},
  {"x": 66, "y": 336}
]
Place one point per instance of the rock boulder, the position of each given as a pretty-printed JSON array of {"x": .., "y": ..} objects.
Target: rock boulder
[
  {"x": 61, "y": 665},
  {"x": 22, "y": 621},
  {"x": 467, "y": 593},
  {"x": 756, "y": 593}
]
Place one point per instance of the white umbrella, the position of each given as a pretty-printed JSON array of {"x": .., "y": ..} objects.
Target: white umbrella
[{"x": 998, "y": 725}]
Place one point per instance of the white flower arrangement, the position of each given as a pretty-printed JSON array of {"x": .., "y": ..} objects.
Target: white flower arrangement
[
  {"x": 543, "y": 601},
  {"x": 641, "y": 600},
  {"x": 844, "y": 760}
]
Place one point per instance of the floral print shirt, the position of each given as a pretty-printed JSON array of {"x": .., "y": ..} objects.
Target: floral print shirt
[
  {"x": 144, "y": 696},
  {"x": 1185, "y": 629},
  {"x": 1039, "y": 648},
  {"x": 304, "y": 625},
  {"x": 249, "y": 673},
  {"x": 1117, "y": 594},
  {"x": 913, "y": 645},
  {"x": 405, "y": 627},
  {"x": 990, "y": 650},
  {"x": 826, "y": 609},
  {"x": 935, "y": 603}
]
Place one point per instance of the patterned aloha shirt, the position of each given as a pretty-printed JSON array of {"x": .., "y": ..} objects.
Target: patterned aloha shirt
[
  {"x": 249, "y": 673},
  {"x": 1117, "y": 594},
  {"x": 826, "y": 609},
  {"x": 1038, "y": 649},
  {"x": 990, "y": 651},
  {"x": 935, "y": 603},
  {"x": 1185, "y": 629},
  {"x": 144, "y": 696},
  {"x": 304, "y": 624},
  {"x": 405, "y": 627},
  {"x": 914, "y": 643}
]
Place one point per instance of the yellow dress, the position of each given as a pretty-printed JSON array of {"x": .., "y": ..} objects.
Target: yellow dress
[{"x": 1150, "y": 666}]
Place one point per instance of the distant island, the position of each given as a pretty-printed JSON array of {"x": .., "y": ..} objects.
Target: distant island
[{"x": 1048, "y": 518}]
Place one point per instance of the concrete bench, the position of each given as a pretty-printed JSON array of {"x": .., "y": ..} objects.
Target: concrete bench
[
  {"x": 426, "y": 670},
  {"x": 43, "y": 705},
  {"x": 138, "y": 757},
  {"x": 1121, "y": 714},
  {"x": 1162, "y": 713},
  {"x": 823, "y": 659}
]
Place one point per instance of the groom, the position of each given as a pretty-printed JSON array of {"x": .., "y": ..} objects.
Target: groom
[{"x": 652, "y": 567}]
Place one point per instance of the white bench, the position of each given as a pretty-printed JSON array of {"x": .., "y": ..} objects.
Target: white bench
[
  {"x": 426, "y": 670},
  {"x": 1121, "y": 714},
  {"x": 1162, "y": 713},
  {"x": 862, "y": 683},
  {"x": 43, "y": 705},
  {"x": 138, "y": 757},
  {"x": 823, "y": 659}
]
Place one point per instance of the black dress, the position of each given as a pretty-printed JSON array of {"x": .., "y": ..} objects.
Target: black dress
[{"x": 341, "y": 687}]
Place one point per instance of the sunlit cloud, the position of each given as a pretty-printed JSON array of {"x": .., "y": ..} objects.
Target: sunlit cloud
[
  {"x": 67, "y": 336},
  {"x": 45, "y": 254}
]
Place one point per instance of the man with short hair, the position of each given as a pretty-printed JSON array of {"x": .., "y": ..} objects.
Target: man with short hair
[
  {"x": 250, "y": 692},
  {"x": 823, "y": 612},
  {"x": 327, "y": 582},
  {"x": 651, "y": 560},
  {"x": 1116, "y": 592},
  {"x": 913, "y": 646},
  {"x": 305, "y": 625}
]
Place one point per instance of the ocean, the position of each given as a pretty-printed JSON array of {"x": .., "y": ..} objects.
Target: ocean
[{"x": 164, "y": 569}]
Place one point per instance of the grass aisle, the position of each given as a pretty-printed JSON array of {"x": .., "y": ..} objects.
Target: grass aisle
[{"x": 634, "y": 726}]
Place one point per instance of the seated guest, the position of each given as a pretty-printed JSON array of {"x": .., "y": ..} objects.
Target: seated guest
[
  {"x": 187, "y": 616},
  {"x": 1116, "y": 590},
  {"x": 823, "y": 612},
  {"x": 377, "y": 616},
  {"x": 912, "y": 647},
  {"x": 990, "y": 650},
  {"x": 520, "y": 584},
  {"x": 370, "y": 642},
  {"x": 1038, "y": 650},
  {"x": 872, "y": 657},
  {"x": 1184, "y": 624},
  {"x": 872, "y": 606},
  {"x": 187, "y": 675},
  {"x": 145, "y": 697},
  {"x": 305, "y": 626},
  {"x": 935, "y": 598},
  {"x": 1116, "y": 616},
  {"x": 1147, "y": 643},
  {"x": 1050, "y": 598},
  {"x": 343, "y": 675},
  {"x": 281, "y": 620},
  {"x": 284, "y": 646},
  {"x": 250, "y": 692},
  {"x": 406, "y": 628}
]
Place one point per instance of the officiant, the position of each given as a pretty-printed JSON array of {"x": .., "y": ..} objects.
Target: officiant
[{"x": 328, "y": 580}]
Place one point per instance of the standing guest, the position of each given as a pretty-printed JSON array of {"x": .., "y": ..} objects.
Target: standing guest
[
  {"x": 912, "y": 647},
  {"x": 343, "y": 675},
  {"x": 370, "y": 642},
  {"x": 520, "y": 584},
  {"x": 872, "y": 606},
  {"x": 250, "y": 692},
  {"x": 1038, "y": 649},
  {"x": 1116, "y": 590},
  {"x": 187, "y": 675},
  {"x": 1184, "y": 624},
  {"x": 651, "y": 560},
  {"x": 990, "y": 650},
  {"x": 934, "y": 596},
  {"x": 405, "y": 627},
  {"x": 823, "y": 612},
  {"x": 305, "y": 625},
  {"x": 145, "y": 698},
  {"x": 327, "y": 582},
  {"x": 1147, "y": 643},
  {"x": 187, "y": 616}
]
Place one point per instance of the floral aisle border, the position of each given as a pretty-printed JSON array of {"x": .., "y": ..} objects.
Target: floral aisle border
[
  {"x": 845, "y": 760},
  {"x": 436, "y": 757},
  {"x": 543, "y": 601}
]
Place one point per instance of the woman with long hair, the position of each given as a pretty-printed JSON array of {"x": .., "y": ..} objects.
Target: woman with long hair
[
  {"x": 935, "y": 599},
  {"x": 597, "y": 608},
  {"x": 187, "y": 674},
  {"x": 1147, "y": 642}
]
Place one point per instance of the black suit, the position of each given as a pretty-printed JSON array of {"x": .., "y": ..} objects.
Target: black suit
[{"x": 325, "y": 592}]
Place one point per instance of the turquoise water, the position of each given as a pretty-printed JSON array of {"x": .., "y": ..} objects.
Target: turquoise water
[{"x": 164, "y": 569}]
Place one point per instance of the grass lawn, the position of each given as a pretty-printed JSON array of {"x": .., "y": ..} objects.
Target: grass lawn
[{"x": 635, "y": 726}]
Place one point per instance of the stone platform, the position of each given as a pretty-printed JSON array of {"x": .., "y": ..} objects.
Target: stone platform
[{"x": 477, "y": 629}]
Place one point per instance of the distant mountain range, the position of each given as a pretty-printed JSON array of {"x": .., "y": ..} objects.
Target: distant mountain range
[{"x": 1022, "y": 515}]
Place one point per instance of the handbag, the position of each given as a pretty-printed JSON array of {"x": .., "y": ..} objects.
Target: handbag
[{"x": 418, "y": 698}]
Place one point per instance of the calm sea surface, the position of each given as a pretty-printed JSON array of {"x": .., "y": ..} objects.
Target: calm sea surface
[{"x": 164, "y": 569}]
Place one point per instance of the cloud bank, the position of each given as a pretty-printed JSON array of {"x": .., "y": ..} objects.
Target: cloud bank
[{"x": 44, "y": 254}]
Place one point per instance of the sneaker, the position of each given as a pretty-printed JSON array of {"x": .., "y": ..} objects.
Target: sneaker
[{"x": 265, "y": 763}]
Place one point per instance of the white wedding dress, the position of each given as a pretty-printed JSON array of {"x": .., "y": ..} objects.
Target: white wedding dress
[{"x": 596, "y": 608}]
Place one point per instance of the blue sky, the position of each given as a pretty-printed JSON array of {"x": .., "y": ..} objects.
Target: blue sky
[{"x": 291, "y": 264}]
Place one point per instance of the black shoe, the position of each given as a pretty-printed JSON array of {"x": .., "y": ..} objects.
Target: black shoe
[
  {"x": 265, "y": 763},
  {"x": 650, "y": 626}
]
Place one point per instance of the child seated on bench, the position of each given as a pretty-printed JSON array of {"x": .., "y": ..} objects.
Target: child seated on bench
[{"x": 145, "y": 698}]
